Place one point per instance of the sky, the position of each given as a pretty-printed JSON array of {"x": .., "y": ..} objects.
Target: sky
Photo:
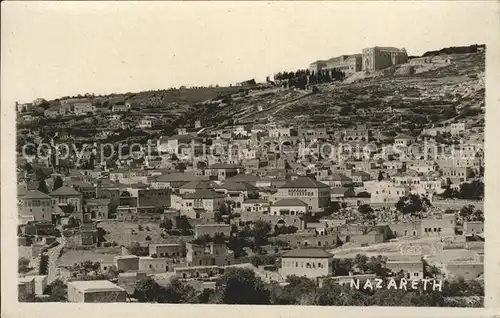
[{"x": 55, "y": 49}]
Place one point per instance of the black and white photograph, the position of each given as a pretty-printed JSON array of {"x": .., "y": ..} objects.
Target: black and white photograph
[{"x": 248, "y": 153}]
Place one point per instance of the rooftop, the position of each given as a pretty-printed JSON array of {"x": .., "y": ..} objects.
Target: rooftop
[
  {"x": 339, "y": 190},
  {"x": 244, "y": 177},
  {"x": 304, "y": 182},
  {"x": 126, "y": 256},
  {"x": 198, "y": 185},
  {"x": 180, "y": 177},
  {"x": 203, "y": 194},
  {"x": 255, "y": 201},
  {"x": 238, "y": 186},
  {"x": 95, "y": 285},
  {"x": 289, "y": 202},
  {"x": 338, "y": 177},
  {"x": 35, "y": 194},
  {"x": 224, "y": 166},
  {"x": 64, "y": 191},
  {"x": 307, "y": 253}
]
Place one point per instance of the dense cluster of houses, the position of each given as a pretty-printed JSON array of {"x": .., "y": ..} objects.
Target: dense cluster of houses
[{"x": 286, "y": 176}]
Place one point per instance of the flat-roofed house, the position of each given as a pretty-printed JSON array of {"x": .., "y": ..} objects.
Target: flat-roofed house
[
  {"x": 314, "y": 193},
  {"x": 212, "y": 254},
  {"x": 201, "y": 204},
  {"x": 310, "y": 262},
  {"x": 66, "y": 196},
  {"x": 255, "y": 205},
  {"x": 289, "y": 207},
  {"x": 95, "y": 291},
  {"x": 37, "y": 205},
  {"x": 127, "y": 262},
  {"x": 171, "y": 250},
  {"x": 412, "y": 269},
  {"x": 196, "y": 185},
  {"x": 222, "y": 171}
]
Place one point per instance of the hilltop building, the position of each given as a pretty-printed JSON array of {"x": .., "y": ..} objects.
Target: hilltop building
[{"x": 377, "y": 58}]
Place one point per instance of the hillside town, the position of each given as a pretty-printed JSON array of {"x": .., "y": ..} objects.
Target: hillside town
[{"x": 358, "y": 168}]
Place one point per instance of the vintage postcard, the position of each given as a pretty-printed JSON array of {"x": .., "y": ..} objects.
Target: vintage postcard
[{"x": 297, "y": 156}]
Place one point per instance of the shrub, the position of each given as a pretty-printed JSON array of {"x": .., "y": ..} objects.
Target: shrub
[{"x": 44, "y": 265}]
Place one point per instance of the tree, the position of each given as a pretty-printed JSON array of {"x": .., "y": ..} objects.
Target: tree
[
  {"x": 44, "y": 265},
  {"x": 236, "y": 280},
  {"x": 365, "y": 209},
  {"x": 260, "y": 231},
  {"x": 291, "y": 294},
  {"x": 237, "y": 244},
  {"x": 166, "y": 224},
  {"x": 342, "y": 267},
  {"x": 332, "y": 294},
  {"x": 28, "y": 167},
  {"x": 182, "y": 223},
  {"x": 147, "y": 290},
  {"x": 58, "y": 182},
  {"x": 223, "y": 210},
  {"x": 219, "y": 238},
  {"x": 258, "y": 260},
  {"x": 176, "y": 292},
  {"x": 56, "y": 290},
  {"x": 181, "y": 166},
  {"x": 87, "y": 267},
  {"x": 136, "y": 249},
  {"x": 377, "y": 266},
  {"x": 201, "y": 165},
  {"x": 472, "y": 190},
  {"x": 202, "y": 240},
  {"x": 478, "y": 216},
  {"x": 411, "y": 204},
  {"x": 466, "y": 212},
  {"x": 380, "y": 176},
  {"x": 72, "y": 222},
  {"x": 42, "y": 187},
  {"x": 434, "y": 271},
  {"x": 360, "y": 262},
  {"x": 449, "y": 193},
  {"x": 363, "y": 194},
  {"x": 23, "y": 265}
]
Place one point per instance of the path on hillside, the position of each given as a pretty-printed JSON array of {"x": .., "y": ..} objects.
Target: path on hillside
[
  {"x": 53, "y": 254},
  {"x": 276, "y": 108}
]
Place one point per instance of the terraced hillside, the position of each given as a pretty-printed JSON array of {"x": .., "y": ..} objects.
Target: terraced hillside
[{"x": 444, "y": 93}]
